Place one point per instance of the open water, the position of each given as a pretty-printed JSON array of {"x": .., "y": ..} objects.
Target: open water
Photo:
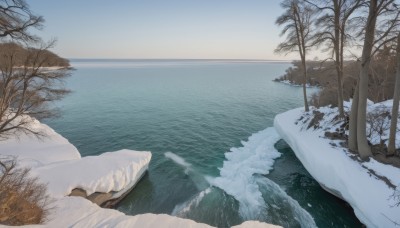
[{"x": 216, "y": 158}]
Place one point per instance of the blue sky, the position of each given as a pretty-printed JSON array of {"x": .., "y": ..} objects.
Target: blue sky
[{"x": 205, "y": 29}]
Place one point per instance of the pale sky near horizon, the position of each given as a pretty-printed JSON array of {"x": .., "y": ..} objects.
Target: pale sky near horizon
[{"x": 162, "y": 29}]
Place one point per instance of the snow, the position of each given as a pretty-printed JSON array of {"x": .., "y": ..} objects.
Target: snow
[
  {"x": 58, "y": 163},
  {"x": 83, "y": 213},
  {"x": 108, "y": 172},
  {"x": 332, "y": 166},
  {"x": 34, "y": 153}
]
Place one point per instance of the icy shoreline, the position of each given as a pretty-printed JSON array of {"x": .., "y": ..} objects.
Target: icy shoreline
[
  {"x": 287, "y": 82},
  {"x": 339, "y": 174},
  {"x": 57, "y": 162}
]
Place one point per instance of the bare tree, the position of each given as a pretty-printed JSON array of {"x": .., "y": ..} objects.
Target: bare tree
[
  {"x": 16, "y": 19},
  {"x": 27, "y": 88},
  {"x": 297, "y": 20},
  {"x": 333, "y": 23},
  {"x": 395, "y": 109},
  {"x": 388, "y": 13}
]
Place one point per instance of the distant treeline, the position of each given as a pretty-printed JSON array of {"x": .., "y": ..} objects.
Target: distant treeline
[
  {"x": 22, "y": 56},
  {"x": 323, "y": 74}
]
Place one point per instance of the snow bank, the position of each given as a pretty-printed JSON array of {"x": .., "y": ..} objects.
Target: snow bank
[
  {"x": 58, "y": 164},
  {"x": 337, "y": 172},
  {"x": 34, "y": 153},
  {"x": 108, "y": 172}
]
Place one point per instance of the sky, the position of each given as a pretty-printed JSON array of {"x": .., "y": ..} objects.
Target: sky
[{"x": 162, "y": 29}]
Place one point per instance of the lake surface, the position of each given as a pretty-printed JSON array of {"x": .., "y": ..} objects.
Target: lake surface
[{"x": 192, "y": 115}]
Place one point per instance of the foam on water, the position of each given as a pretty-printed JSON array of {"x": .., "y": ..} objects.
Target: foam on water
[
  {"x": 198, "y": 178},
  {"x": 178, "y": 160},
  {"x": 256, "y": 156},
  {"x": 183, "y": 208}
]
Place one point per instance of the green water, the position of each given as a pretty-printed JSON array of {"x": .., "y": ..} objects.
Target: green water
[{"x": 195, "y": 111}]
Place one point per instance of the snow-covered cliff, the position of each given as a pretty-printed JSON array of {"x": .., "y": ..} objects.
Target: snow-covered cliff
[{"x": 359, "y": 183}]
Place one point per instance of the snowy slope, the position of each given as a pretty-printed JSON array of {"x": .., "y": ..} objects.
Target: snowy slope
[
  {"x": 337, "y": 172},
  {"x": 33, "y": 152}
]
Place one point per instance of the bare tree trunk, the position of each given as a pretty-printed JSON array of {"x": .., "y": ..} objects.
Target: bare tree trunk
[
  {"x": 303, "y": 62},
  {"x": 395, "y": 109},
  {"x": 340, "y": 94},
  {"x": 337, "y": 50},
  {"x": 353, "y": 121},
  {"x": 362, "y": 143}
]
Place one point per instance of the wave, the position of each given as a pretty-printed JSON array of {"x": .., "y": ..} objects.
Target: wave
[
  {"x": 198, "y": 178},
  {"x": 288, "y": 207},
  {"x": 182, "y": 209},
  {"x": 237, "y": 179},
  {"x": 178, "y": 160},
  {"x": 241, "y": 177}
]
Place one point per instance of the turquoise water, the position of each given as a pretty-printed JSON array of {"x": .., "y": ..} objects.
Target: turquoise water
[{"x": 189, "y": 114}]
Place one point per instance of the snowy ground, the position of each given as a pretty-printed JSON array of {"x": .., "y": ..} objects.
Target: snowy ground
[
  {"x": 58, "y": 163},
  {"x": 360, "y": 183}
]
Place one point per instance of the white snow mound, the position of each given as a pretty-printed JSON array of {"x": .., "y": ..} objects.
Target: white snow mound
[
  {"x": 34, "y": 152},
  {"x": 112, "y": 171}
]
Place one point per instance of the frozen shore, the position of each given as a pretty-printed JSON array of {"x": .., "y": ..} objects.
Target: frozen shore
[
  {"x": 359, "y": 183},
  {"x": 287, "y": 82},
  {"x": 58, "y": 163}
]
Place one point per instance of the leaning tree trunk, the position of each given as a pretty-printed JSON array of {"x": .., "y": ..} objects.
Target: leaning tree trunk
[
  {"x": 362, "y": 143},
  {"x": 395, "y": 109},
  {"x": 303, "y": 61}
]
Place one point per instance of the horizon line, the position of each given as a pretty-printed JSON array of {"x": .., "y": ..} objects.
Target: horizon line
[{"x": 198, "y": 59}]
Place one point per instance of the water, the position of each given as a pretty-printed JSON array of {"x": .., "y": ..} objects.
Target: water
[{"x": 208, "y": 125}]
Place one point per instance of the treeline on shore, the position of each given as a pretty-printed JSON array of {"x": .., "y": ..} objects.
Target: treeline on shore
[
  {"x": 23, "y": 56},
  {"x": 381, "y": 83},
  {"x": 336, "y": 28}
]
